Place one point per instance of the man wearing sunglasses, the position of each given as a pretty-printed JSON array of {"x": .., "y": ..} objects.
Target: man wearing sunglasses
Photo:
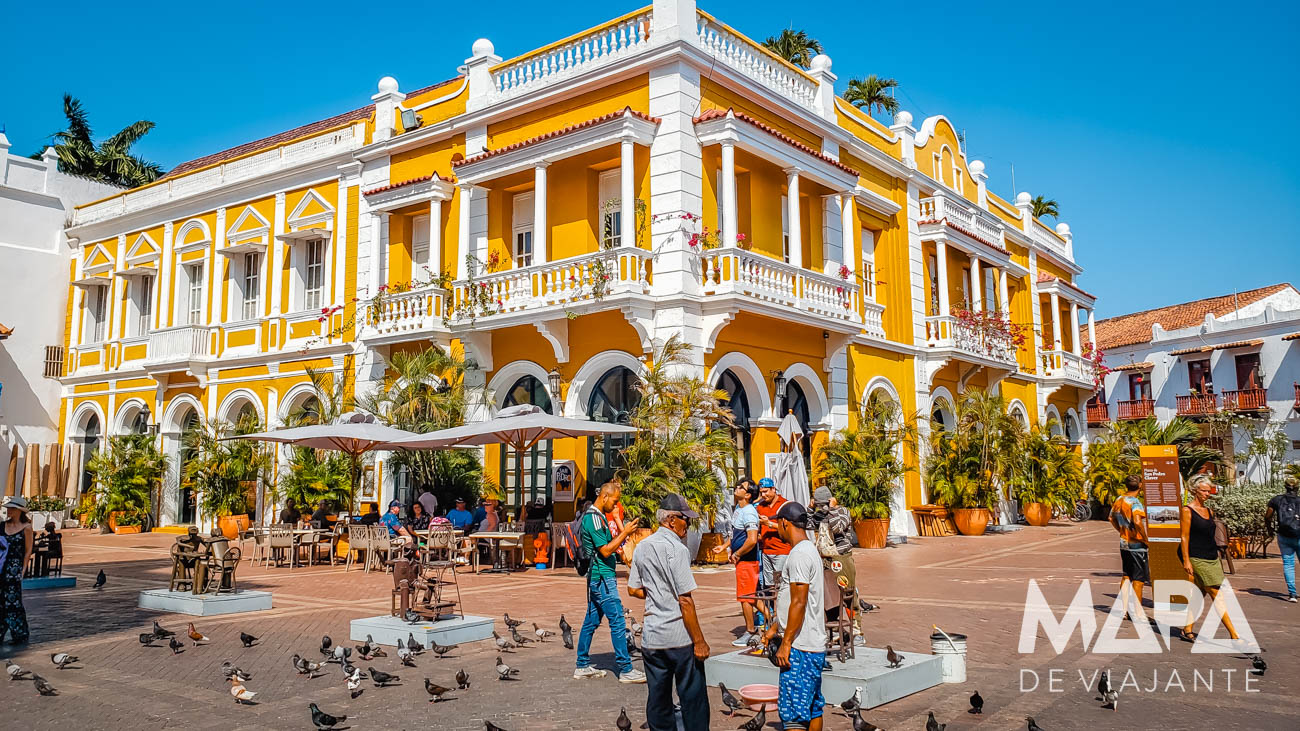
[{"x": 672, "y": 642}]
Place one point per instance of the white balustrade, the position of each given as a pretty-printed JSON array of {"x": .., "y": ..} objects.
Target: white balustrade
[
  {"x": 1067, "y": 365},
  {"x": 563, "y": 282},
  {"x": 188, "y": 342},
  {"x": 943, "y": 209},
  {"x": 734, "y": 271},
  {"x": 756, "y": 62},
  {"x": 1044, "y": 237},
  {"x": 946, "y": 331},
  {"x": 412, "y": 311},
  {"x": 584, "y": 52}
]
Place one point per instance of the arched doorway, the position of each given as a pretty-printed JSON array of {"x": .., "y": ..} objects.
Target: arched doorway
[
  {"x": 796, "y": 401},
  {"x": 528, "y": 478},
  {"x": 187, "y": 499},
  {"x": 91, "y": 432},
  {"x": 737, "y": 402},
  {"x": 612, "y": 401}
]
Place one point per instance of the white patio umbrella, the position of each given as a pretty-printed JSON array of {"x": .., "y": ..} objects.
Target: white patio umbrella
[
  {"x": 519, "y": 426},
  {"x": 790, "y": 476}
]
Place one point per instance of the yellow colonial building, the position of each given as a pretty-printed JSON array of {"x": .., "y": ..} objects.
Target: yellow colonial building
[{"x": 555, "y": 215}]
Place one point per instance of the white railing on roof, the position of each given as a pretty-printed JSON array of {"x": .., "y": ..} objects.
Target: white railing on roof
[
  {"x": 943, "y": 208},
  {"x": 234, "y": 171},
  {"x": 755, "y": 62},
  {"x": 1044, "y": 237},
  {"x": 590, "y": 50}
]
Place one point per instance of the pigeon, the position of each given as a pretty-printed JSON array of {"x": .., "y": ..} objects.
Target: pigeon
[
  {"x": 1112, "y": 699},
  {"x": 340, "y": 654},
  {"x": 502, "y": 643},
  {"x": 441, "y": 650},
  {"x": 233, "y": 671},
  {"x": 196, "y": 636},
  {"x": 757, "y": 722},
  {"x": 931, "y": 724},
  {"x": 542, "y": 634},
  {"x": 43, "y": 687},
  {"x": 365, "y": 656},
  {"x": 489, "y": 726},
  {"x": 512, "y": 623},
  {"x": 242, "y": 695},
  {"x": 247, "y": 639},
  {"x": 1257, "y": 662},
  {"x": 566, "y": 635},
  {"x": 862, "y": 724},
  {"x": 623, "y": 723},
  {"x": 62, "y": 659},
  {"x": 147, "y": 638},
  {"x": 462, "y": 679},
  {"x": 504, "y": 671},
  {"x": 632, "y": 649},
  {"x": 895, "y": 659},
  {"x": 518, "y": 638},
  {"x": 565, "y": 626},
  {"x": 1032, "y": 726},
  {"x": 13, "y": 670},
  {"x": 404, "y": 654},
  {"x": 323, "y": 720},
  {"x": 412, "y": 645},
  {"x": 866, "y": 606},
  {"x": 636, "y": 628},
  {"x": 354, "y": 686},
  {"x": 732, "y": 703},
  {"x": 305, "y": 666},
  {"x": 326, "y": 646},
  {"x": 100, "y": 580},
  {"x": 854, "y": 702},
  {"x": 1103, "y": 685},
  {"x": 382, "y": 679},
  {"x": 177, "y": 646},
  {"x": 161, "y": 633},
  {"x": 412, "y": 617},
  {"x": 435, "y": 690},
  {"x": 976, "y": 703}
]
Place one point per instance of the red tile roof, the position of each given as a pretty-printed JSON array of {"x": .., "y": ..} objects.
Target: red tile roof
[
  {"x": 721, "y": 113},
  {"x": 5, "y": 331},
  {"x": 556, "y": 133},
  {"x": 1135, "y": 328},
  {"x": 305, "y": 130},
  {"x": 1134, "y": 367},
  {"x": 1292, "y": 336},
  {"x": 1239, "y": 344},
  {"x": 1044, "y": 277},
  {"x": 403, "y": 183}
]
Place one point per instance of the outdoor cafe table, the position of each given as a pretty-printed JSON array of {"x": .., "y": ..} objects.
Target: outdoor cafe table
[
  {"x": 308, "y": 537},
  {"x": 495, "y": 537}
]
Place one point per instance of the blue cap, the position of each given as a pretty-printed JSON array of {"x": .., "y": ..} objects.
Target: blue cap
[
  {"x": 766, "y": 482},
  {"x": 395, "y": 504}
]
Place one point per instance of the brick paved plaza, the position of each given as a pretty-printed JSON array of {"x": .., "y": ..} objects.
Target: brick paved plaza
[{"x": 971, "y": 585}]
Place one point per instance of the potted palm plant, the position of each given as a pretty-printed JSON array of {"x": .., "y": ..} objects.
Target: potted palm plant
[
  {"x": 220, "y": 469},
  {"x": 125, "y": 472},
  {"x": 967, "y": 462},
  {"x": 863, "y": 466},
  {"x": 1049, "y": 475}
]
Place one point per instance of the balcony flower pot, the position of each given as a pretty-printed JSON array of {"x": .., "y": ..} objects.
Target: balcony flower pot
[
  {"x": 871, "y": 532},
  {"x": 971, "y": 521},
  {"x": 232, "y": 525},
  {"x": 1037, "y": 514}
]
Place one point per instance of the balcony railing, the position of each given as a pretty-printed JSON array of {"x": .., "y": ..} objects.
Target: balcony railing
[
  {"x": 1193, "y": 405},
  {"x": 1067, "y": 365},
  {"x": 178, "y": 344},
  {"x": 588, "y": 277},
  {"x": 1246, "y": 399},
  {"x": 1297, "y": 395},
  {"x": 735, "y": 271},
  {"x": 942, "y": 209},
  {"x": 1045, "y": 237},
  {"x": 1136, "y": 409},
  {"x": 1098, "y": 414},
  {"x": 946, "y": 331},
  {"x": 585, "y": 51},
  {"x": 417, "y": 310}
]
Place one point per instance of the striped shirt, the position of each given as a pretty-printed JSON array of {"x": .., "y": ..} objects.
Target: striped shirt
[{"x": 662, "y": 566}]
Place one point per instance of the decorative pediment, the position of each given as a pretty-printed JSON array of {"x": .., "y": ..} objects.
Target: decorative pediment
[
  {"x": 193, "y": 234},
  {"x": 97, "y": 260},
  {"x": 248, "y": 225},
  {"x": 142, "y": 249},
  {"x": 313, "y": 209}
]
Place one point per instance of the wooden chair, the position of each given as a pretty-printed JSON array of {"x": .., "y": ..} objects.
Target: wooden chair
[
  {"x": 358, "y": 541},
  {"x": 466, "y": 553},
  {"x": 281, "y": 542},
  {"x": 438, "y": 543},
  {"x": 182, "y": 578}
]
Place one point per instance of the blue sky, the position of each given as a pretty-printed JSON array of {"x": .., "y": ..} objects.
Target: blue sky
[{"x": 1165, "y": 130}]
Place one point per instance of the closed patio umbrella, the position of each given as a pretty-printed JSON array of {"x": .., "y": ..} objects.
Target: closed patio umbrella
[
  {"x": 790, "y": 476},
  {"x": 519, "y": 426}
]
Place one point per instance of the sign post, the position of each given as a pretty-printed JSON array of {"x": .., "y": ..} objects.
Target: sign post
[{"x": 1163, "y": 494}]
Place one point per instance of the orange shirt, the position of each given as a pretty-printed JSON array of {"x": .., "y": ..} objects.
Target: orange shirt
[
  {"x": 1127, "y": 511},
  {"x": 769, "y": 540}
]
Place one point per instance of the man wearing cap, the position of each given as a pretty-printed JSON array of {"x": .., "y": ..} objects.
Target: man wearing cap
[
  {"x": 672, "y": 643},
  {"x": 744, "y": 554},
  {"x": 459, "y": 516},
  {"x": 393, "y": 522},
  {"x": 773, "y": 550},
  {"x": 799, "y": 615}
]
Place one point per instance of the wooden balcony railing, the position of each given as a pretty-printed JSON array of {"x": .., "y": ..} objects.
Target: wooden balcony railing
[
  {"x": 1191, "y": 405},
  {"x": 1297, "y": 395},
  {"x": 1247, "y": 399},
  {"x": 1098, "y": 414},
  {"x": 1138, "y": 409}
]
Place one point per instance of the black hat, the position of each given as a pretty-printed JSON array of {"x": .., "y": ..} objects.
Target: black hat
[
  {"x": 677, "y": 504},
  {"x": 793, "y": 512}
]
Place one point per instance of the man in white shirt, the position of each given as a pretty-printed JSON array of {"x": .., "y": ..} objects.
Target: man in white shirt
[{"x": 800, "y": 604}]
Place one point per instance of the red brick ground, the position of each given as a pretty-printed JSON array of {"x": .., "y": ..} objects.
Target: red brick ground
[{"x": 971, "y": 585}]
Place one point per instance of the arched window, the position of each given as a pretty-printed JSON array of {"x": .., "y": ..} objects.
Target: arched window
[
  {"x": 89, "y": 445},
  {"x": 797, "y": 403},
  {"x": 187, "y": 502},
  {"x": 612, "y": 401},
  {"x": 737, "y": 402},
  {"x": 529, "y": 478},
  {"x": 310, "y": 411}
]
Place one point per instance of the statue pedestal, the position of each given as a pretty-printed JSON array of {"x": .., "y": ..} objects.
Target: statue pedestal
[
  {"x": 880, "y": 684},
  {"x": 37, "y": 583},
  {"x": 387, "y": 630},
  {"x": 204, "y": 605}
]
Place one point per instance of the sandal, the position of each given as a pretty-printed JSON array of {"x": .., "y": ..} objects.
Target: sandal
[{"x": 1186, "y": 636}]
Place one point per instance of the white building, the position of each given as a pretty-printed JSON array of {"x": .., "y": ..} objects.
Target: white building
[
  {"x": 1236, "y": 353},
  {"x": 36, "y": 201}
]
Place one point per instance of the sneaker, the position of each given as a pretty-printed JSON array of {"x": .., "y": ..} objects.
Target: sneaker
[
  {"x": 589, "y": 672},
  {"x": 631, "y": 676},
  {"x": 1291, "y": 599},
  {"x": 742, "y": 641}
]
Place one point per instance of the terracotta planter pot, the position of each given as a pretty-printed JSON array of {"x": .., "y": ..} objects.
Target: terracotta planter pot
[
  {"x": 127, "y": 529},
  {"x": 232, "y": 525},
  {"x": 713, "y": 548},
  {"x": 1237, "y": 547},
  {"x": 871, "y": 532},
  {"x": 1037, "y": 514},
  {"x": 971, "y": 521},
  {"x": 629, "y": 546}
]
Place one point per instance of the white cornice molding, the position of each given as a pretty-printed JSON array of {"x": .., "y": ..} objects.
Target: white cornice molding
[
  {"x": 767, "y": 146},
  {"x": 402, "y": 195},
  {"x": 623, "y": 128},
  {"x": 876, "y": 202}
]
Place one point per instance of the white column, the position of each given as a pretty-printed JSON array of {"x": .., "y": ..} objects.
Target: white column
[
  {"x": 116, "y": 323},
  {"x": 1004, "y": 299},
  {"x": 434, "y": 262},
  {"x": 941, "y": 254},
  {"x": 166, "y": 277},
  {"x": 976, "y": 285},
  {"x": 1056, "y": 321},
  {"x": 792, "y": 204},
  {"x": 1074, "y": 329},
  {"x": 541, "y": 226},
  {"x": 1092, "y": 330},
  {"x": 218, "y": 276},
  {"x": 463, "y": 245},
  {"x": 729, "y": 225},
  {"x": 848, "y": 245},
  {"x": 627, "y": 193},
  {"x": 276, "y": 270}
]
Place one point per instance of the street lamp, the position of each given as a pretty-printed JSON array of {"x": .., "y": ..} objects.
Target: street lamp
[
  {"x": 778, "y": 380},
  {"x": 554, "y": 377}
]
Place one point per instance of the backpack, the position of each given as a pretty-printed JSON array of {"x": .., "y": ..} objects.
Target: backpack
[
  {"x": 1288, "y": 516},
  {"x": 580, "y": 554}
]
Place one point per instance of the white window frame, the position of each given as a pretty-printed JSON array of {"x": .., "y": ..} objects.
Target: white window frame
[
  {"x": 250, "y": 285},
  {"x": 989, "y": 289},
  {"x": 142, "y": 294},
  {"x": 868, "y": 238},
  {"x": 194, "y": 291},
  {"x": 96, "y": 313},
  {"x": 313, "y": 297},
  {"x": 420, "y": 239},
  {"x": 609, "y": 187},
  {"x": 522, "y": 238},
  {"x": 785, "y": 229}
]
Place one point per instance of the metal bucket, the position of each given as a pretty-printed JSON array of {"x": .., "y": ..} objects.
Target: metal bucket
[{"x": 952, "y": 650}]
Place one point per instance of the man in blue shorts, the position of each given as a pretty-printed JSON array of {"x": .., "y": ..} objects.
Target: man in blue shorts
[{"x": 800, "y": 603}]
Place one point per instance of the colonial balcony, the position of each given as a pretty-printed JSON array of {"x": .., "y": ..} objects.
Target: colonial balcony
[
  {"x": 1137, "y": 409},
  {"x": 176, "y": 348},
  {"x": 1074, "y": 369},
  {"x": 413, "y": 314},
  {"x": 1194, "y": 406},
  {"x": 1098, "y": 414},
  {"x": 1246, "y": 399},
  {"x": 946, "y": 332},
  {"x": 945, "y": 213}
]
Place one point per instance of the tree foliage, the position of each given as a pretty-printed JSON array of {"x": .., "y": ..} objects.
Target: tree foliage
[
  {"x": 872, "y": 94},
  {"x": 1048, "y": 471},
  {"x": 219, "y": 467},
  {"x": 1044, "y": 206},
  {"x": 111, "y": 160},
  {"x": 1107, "y": 466},
  {"x": 863, "y": 463},
  {"x": 795, "y": 46},
  {"x": 310, "y": 475},
  {"x": 969, "y": 463},
  {"x": 127, "y": 472}
]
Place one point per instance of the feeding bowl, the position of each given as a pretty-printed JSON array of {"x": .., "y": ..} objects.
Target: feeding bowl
[{"x": 760, "y": 696}]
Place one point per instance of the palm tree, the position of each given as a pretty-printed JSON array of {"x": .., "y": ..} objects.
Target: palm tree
[
  {"x": 862, "y": 462},
  {"x": 1192, "y": 457},
  {"x": 872, "y": 94},
  {"x": 111, "y": 161},
  {"x": 127, "y": 474},
  {"x": 794, "y": 46},
  {"x": 1044, "y": 206}
]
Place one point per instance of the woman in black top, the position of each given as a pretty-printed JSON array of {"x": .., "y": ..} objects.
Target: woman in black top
[
  {"x": 419, "y": 519},
  {"x": 1200, "y": 552}
]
